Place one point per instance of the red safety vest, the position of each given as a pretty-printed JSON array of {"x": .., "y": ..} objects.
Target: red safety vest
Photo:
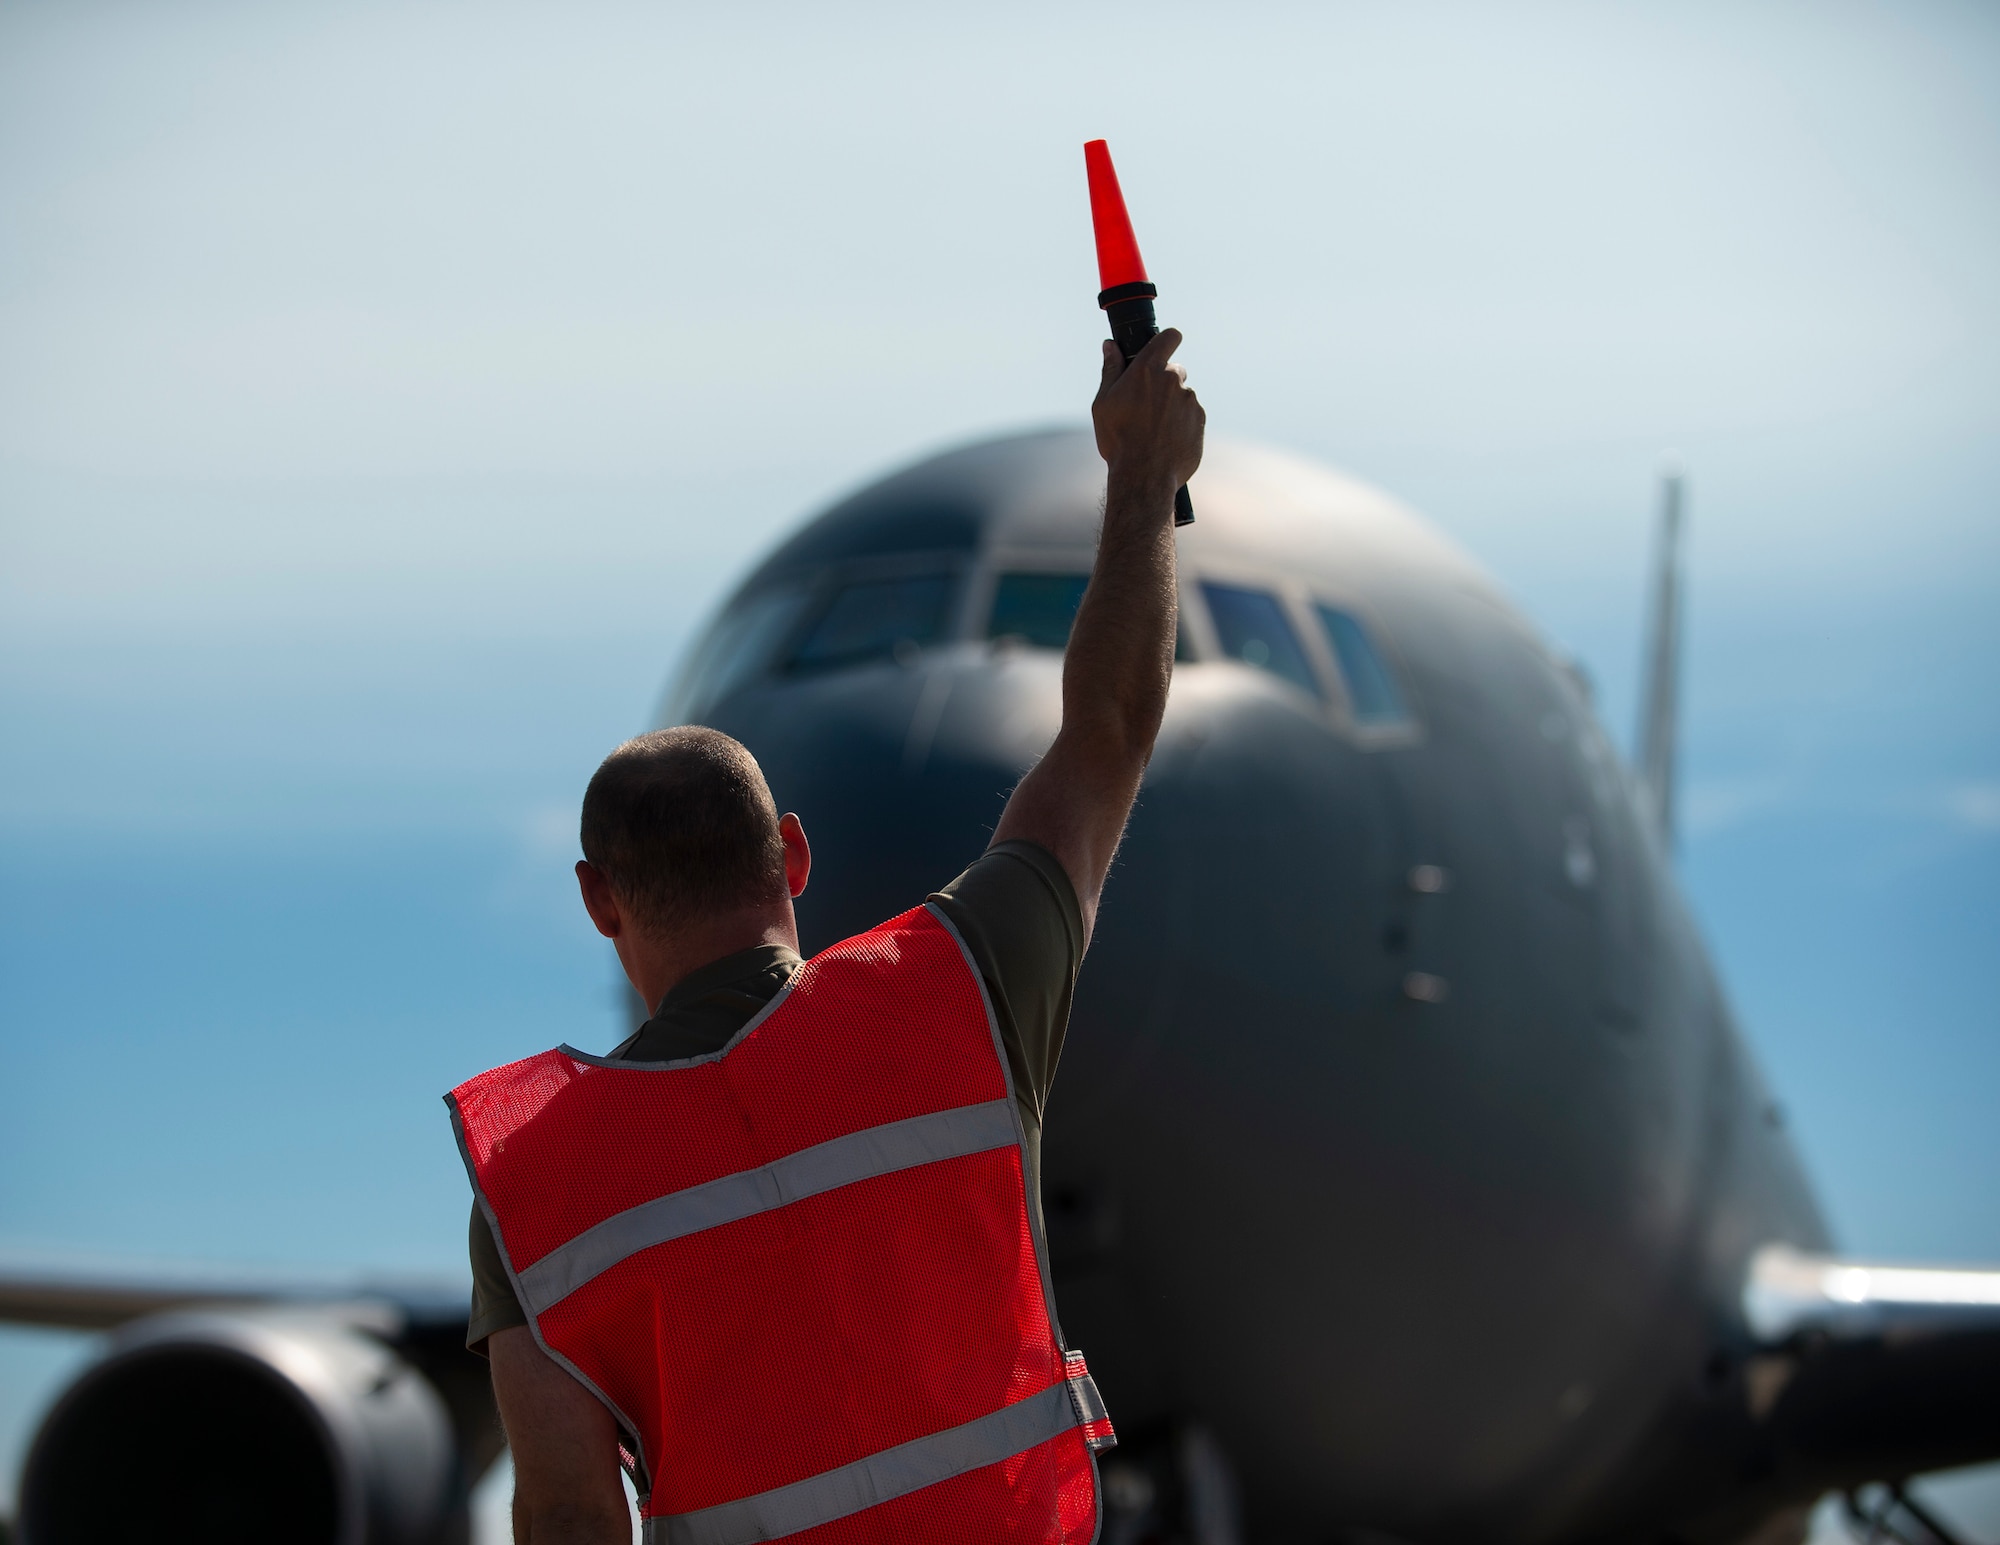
[{"x": 802, "y": 1271}]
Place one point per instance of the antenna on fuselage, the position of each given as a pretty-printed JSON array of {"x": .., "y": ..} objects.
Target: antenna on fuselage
[{"x": 1659, "y": 710}]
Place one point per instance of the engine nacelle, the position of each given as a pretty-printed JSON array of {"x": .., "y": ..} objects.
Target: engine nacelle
[{"x": 253, "y": 1425}]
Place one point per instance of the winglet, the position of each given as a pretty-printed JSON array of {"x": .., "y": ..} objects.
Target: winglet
[{"x": 1659, "y": 713}]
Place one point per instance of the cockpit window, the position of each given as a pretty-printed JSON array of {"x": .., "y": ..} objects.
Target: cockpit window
[
  {"x": 1040, "y": 609},
  {"x": 1037, "y": 608},
  {"x": 866, "y": 620},
  {"x": 1371, "y": 688},
  {"x": 1251, "y": 627},
  {"x": 737, "y": 647}
]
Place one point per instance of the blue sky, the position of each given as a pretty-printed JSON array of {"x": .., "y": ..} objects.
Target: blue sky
[{"x": 385, "y": 391}]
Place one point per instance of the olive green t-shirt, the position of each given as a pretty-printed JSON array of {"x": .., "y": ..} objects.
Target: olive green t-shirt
[{"x": 1017, "y": 912}]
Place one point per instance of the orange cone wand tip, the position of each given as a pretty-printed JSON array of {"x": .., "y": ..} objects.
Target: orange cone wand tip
[{"x": 1126, "y": 294}]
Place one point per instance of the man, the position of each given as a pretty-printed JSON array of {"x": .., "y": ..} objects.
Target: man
[{"x": 684, "y": 1224}]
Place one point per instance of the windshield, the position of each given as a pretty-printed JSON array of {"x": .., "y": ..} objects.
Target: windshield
[
  {"x": 1371, "y": 689},
  {"x": 1251, "y": 627},
  {"x": 1036, "y": 608},
  {"x": 867, "y": 619}
]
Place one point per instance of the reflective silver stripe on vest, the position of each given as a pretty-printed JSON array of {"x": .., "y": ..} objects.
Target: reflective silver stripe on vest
[
  {"x": 944, "y": 1134},
  {"x": 882, "y": 1477}
]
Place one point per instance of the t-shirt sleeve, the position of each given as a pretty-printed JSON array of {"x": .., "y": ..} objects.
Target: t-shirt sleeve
[
  {"x": 494, "y": 1306},
  {"x": 1017, "y": 912}
]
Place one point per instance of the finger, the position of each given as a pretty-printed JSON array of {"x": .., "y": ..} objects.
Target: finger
[
  {"x": 1159, "y": 349},
  {"x": 1114, "y": 364},
  {"x": 1178, "y": 372}
]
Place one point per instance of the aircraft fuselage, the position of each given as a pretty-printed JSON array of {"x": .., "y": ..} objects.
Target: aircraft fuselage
[{"x": 1403, "y": 1143}]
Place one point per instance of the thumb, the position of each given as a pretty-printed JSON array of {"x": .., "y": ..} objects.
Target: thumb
[{"x": 1114, "y": 364}]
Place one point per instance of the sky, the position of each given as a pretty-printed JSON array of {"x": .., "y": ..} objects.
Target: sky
[{"x": 386, "y": 392}]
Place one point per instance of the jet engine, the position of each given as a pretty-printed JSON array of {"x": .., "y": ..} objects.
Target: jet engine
[{"x": 248, "y": 1425}]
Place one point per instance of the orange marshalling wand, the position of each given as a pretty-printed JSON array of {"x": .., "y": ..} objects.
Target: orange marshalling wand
[{"x": 1126, "y": 294}]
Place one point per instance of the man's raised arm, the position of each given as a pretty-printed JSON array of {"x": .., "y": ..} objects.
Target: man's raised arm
[{"x": 1121, "y": 652}]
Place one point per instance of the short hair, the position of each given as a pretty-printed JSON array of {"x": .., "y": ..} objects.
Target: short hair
[{"x": 682, "y": 825}]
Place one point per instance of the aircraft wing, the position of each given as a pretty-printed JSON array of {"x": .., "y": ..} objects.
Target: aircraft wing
[
  {"x": 1790, "y": 1293},
  {"x": 99, "y": 1298},
  {"x": 1892, "y": 1366}
]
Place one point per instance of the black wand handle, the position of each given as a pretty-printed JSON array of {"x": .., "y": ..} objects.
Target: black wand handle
[{"x": 1133, "y": 325}]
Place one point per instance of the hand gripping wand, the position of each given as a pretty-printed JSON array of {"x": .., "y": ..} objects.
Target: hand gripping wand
[{"x": 1127, "y": 294}]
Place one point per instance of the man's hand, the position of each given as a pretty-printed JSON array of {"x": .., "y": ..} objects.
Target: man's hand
[
  {"x": 1148, "y": 423},
  {"x": 566, "y": 1486},
  {"x": 1121, "y": 652}
]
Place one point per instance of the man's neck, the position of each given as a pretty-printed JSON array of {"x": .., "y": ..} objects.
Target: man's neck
[{"x": 656, "y": 965}]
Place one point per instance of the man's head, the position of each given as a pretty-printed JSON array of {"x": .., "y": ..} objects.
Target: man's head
[{"x": 681, "y": 842}]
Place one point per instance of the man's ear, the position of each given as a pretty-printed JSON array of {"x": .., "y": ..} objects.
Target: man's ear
[
  {"x": 598, "y": 900},
  {"x": 798, "y": 853}
]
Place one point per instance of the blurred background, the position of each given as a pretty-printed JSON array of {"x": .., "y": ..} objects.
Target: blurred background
[{"x": 386, "y": 392}]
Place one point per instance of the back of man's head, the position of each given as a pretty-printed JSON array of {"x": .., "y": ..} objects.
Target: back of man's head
[{"x": 682, "y": 825}]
